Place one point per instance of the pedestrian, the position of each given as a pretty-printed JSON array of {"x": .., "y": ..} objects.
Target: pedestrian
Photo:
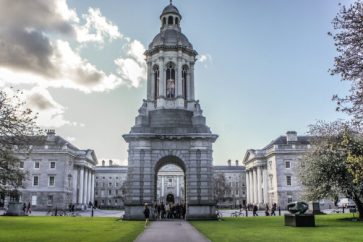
[
  {"x": 146, "y": 214},
  {"x": 267, "y": 210},
  {"x": 255, "y": 210},
  {"x": 273, "y": 209},
  {"x": 29, "y": 209},
  {"x": 24, "y": 208}
]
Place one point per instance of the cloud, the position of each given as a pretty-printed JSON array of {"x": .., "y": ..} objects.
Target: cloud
[
  {"x": 97, "y": 28},
  {"x": 205, "y": 59},
  {"x": 133, "y": 67}
]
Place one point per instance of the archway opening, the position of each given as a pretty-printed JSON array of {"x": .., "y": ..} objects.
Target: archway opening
[{"x": 170, "y": 188}]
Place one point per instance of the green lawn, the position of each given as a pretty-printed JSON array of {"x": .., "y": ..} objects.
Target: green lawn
[
  {"x": 328, "y": 228},
  {"x": 78, "y": 229}
]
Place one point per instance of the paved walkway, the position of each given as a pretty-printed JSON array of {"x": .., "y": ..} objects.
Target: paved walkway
[{"x": 171, "y": 231}]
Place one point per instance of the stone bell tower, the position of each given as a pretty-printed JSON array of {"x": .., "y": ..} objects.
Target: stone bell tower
[{"x": 170, "y": 127}]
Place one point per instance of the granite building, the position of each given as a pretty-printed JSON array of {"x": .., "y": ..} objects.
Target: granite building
[
  {"x": 170, "y": 127},
  {"x": 271, "y": 172},
  {"x": 59, "y": 173},
  {"x": 235, "y": 177},
  {"x": 109, "y": 185}
]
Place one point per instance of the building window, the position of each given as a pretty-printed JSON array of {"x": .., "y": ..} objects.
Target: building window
[
  {"x": 116, "y": 184},
  {"x": 51, "y": 181},
  {"x": 110, "y": 184},
  {"x": 34, "y": 200},
  {"x": 102, "y": 193},
  {"x": 35, "y": 180},
  {"x": 156, "y": 81},
  {"x": 170, "y": 80},
  {"x": 102, "y": 202},
  {"x": 96, "y": 184},
  {"x": 288, "y": 180},
  {"x": 116, "y": 192},
  {"x": 52, "y": 165},
  {"x": 110, "y": 177},
  {"x": 109, "y": 192},
  {"x": 50, "y": 201},
  {"x": 21, "y": 165},
  {"x": 116, "y": 177},
  {"x": 96, "y": 193},
  {"x": 36, "y": 164},
  {"x": 170, "y": 20},
  {"x": 103, "y": 177},
  {"x": 116, "y": 202},
  {"x": 96, "y": 177},
  {"x": 288, "y": 164}
]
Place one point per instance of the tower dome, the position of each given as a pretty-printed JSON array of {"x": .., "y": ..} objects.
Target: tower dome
[{"x": 170, "y": 9}]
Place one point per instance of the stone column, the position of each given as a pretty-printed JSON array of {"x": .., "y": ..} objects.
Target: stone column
[
  {"x": 162, "y": 81},
  {"x": 150, "y": 82},
  {"x": 259, "y": 186},
  {"x": 191, "y": 86},
  {"x": 265, "y": 185},
  {"x": 81, "y": 183},
  {"x": 93, "y": 188},
  {"x": 85, "y": 186},
  {"x": 177, "y": 186},
  {"x": 162, "y": 186},
  {"x": 251, "y": 185},
  {"x": 89, "y": 186},
  {"x": 247, "y": 187},
  {"x": 180, "y": 77},
  {"x": 255, "y": 198},
  {"x": 75, "y": 184}
]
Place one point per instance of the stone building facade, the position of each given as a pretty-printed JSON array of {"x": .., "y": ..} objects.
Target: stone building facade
[
  {"x": 170, "y": 127},
  {"x": 109, "y": 186},
  {"x": 170, "y": 185},
  {"x": 59, "y": 174},
  {"x": 235, "y": 176},
  {"x": 271, "y": 172}
]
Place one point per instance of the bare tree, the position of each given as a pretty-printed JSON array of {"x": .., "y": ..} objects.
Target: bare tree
[
  {"x": 17, "y": 129},
  {"x": 221, "y": 187}
]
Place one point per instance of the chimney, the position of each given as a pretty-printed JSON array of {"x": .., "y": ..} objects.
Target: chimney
[
  {"x": 50, "y": 134},
  {"x": 110, "y": 162},
  {"x": 103, "y": 163},
  {"x": 291, "y": 136},
  {"x": 229, "y": 162},
  {"x": 237, "y": 162}
]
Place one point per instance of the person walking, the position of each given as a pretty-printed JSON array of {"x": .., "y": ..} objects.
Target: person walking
[
  {"x": 267, "y": 209},
  {"x": 29, "y": 209},
  {"x": 146, "y": 214},
  {"x": 273, "y": 209},
  {"x": 255, "y": 210}
]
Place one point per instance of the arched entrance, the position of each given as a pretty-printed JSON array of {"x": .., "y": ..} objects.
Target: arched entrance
[{"x": 170, "y": 198}]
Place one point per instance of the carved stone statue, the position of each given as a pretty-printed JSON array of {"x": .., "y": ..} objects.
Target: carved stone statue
[{"x": 297, "y": 207}]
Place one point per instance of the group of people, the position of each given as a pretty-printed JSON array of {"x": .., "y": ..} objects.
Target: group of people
[
  {"x": 165, "y": 211},
  {"x": 27, "y": 209},
  {"x": 268, "y": 211}
]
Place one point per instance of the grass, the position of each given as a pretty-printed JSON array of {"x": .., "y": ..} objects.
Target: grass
[
  {"x": 339, "y": 228},
  {"x": 57, "y": 229}
]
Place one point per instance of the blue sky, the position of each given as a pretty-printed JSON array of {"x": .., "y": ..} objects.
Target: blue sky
[{"x": 263, "y": 71}]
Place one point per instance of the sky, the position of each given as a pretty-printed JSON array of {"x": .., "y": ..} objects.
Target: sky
[{"x": 263, "y": 67}]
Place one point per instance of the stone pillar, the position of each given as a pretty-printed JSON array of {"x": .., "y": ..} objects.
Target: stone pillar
[
  {"x": 191, "y": 86},
  {"x": 93, "y": 188},
  {"x": 255, "y": 198},
  {"x": 177, "y": 186},
  {"x": 150, "y": 82},
  {"x": 85, "y": 189},
  {"x": 162, "y": 81},
  {"x": 89, "y": 186},
  {"x": 162, "y": 187},
  {"x": 247, "y": 187},
  {"x": 259, "y": 185},
  {"x": 75, "y": 184},
  {"x": 179, "y": 81},
  {"x": 81, "y": 183},
  {"x": 251, "y": 185},
  {"x": 265, "y": 185}
]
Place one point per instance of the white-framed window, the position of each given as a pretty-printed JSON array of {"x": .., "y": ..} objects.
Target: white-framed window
[
  {"x": 50, "y": 200},
  {"x": 289, "y": 197},
  {"x": 51, "y": 181},
  {"x": 35, "y": 181},
  {"x": 52, "y": 165},
  {"x": 116, "y": 202},
  {"x": 34, "y": 200},
  {"x": 109, "y": 192},
  {"x": 21, "y": 165},
  {"x": 102, "y": 193},
  {"x": 110, "y": 184},
  {"x": 36, "y": 164},
  {"x": 288, "y": 180},
  {"x": 287, "y": 164}
]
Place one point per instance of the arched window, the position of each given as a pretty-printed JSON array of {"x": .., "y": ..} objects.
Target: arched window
[
  {"x": 184, "y": 81},
  {"x": 156, "y": 81},
  {"x": 170, "y": 80},
  {"x": 164, "y": 21},
  {"x": 170, "y": 20},
  {"x": 176, "y": 21}
]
